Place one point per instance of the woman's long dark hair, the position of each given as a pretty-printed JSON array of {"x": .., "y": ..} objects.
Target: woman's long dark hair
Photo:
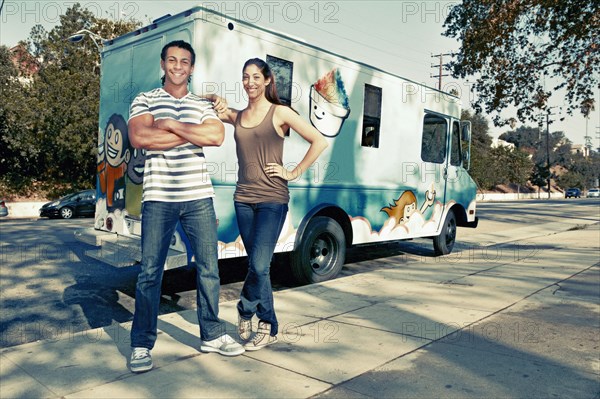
[
  {"x": 271, "y": 90},
  {"x": 265, "y": 69}
]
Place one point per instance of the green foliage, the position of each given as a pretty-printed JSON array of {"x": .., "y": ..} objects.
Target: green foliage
[
  {"x": 539, "y": 175},
  {"x": 524, "y": 137},
  {"x": 583, "y": 173},
  {"x": 480, "y": 136},
  {"x": 49, "y": 120},
  {"x": 501, "y": 165},
  {"x": 512, "y": 48}
]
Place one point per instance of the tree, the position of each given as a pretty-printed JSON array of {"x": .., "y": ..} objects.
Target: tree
[
  {"x": 583, "y": 172},
  {"x": 524, "y": 137},
  {"x": 514, "y": 47},
  {"x": 480, "y": 136},
  {"x": 53, "y": 135},
  {"x": 520, "y": 168},
  {"x": 18, "y": 148},
  {"x": 480, "y": 149}
]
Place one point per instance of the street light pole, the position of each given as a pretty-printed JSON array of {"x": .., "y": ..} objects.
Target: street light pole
[
  {"x": 548, "y": 148},
  {"x": 81, "y": 34}
]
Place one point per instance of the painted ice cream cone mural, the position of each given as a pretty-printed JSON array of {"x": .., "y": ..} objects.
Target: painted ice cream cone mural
[{"x": 329, "y": 104}]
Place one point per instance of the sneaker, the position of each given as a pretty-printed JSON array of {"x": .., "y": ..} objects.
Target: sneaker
[
  {"x": 244, "y": 328},
  {"x": 140, "y": 360},
  {"x": 262, "y": 338},
  {"x": 225, "y": 345}
]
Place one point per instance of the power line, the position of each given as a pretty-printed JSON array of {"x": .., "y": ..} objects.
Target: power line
[{"x": 369, "y": 45}]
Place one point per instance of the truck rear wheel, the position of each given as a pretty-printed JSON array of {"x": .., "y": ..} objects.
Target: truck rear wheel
[
  {"x": 321, "y": 253},
  {"x": 443, "y": 244}
]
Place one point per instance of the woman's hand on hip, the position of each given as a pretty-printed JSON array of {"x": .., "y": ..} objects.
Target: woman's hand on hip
[{"x": 276, "y": 170}]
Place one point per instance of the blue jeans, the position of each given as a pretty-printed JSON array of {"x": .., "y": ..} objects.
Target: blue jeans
[
  {"x": 159, "y": 220},
  {"x": 260, "y": 226}
]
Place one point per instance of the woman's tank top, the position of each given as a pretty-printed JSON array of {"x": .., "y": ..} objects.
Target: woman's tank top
[{"x": 256, "y": 146}]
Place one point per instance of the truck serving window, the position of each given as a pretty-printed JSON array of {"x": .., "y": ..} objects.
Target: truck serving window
[
  {"x": 371, "y": 117},
  {"x": 284, "y": 71},
  {"x": 433, "y": 144}
]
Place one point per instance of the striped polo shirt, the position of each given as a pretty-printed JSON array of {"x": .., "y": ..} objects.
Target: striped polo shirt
[{"x": 178, "y": 174}]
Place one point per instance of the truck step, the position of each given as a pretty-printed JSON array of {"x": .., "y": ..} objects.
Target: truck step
[
  {"x": 122, "y": 251},
  {"x": 116, "y": 258},
  {"x": 92, "y": 236}
]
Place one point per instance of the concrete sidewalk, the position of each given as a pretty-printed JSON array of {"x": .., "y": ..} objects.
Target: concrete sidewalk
[{"x": 522, "y": 324}]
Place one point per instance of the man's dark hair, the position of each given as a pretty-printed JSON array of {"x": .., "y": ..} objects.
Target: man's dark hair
[{"x": 182, "y": 45}]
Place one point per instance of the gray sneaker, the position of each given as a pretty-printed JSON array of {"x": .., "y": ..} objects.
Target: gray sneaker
[
  {"x": 262, "y": 338},
  {"x": 140, "y": 360},
  {"x": 244, "y": 328},
  {"x": 225, "y": 345}
]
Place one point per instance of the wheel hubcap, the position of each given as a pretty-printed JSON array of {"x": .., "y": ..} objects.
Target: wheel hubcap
[{"x": 322, "y": 254}]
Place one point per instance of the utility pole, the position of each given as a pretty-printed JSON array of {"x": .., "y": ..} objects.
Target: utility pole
[
  {"x": 440, "y": 66},
  {"x": 548, "y": 122}
]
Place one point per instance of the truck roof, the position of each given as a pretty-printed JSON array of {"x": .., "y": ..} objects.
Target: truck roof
[{"x": 200, "y": 12}]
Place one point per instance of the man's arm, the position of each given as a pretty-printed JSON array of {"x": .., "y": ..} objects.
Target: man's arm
[
  {"x": 144, "y": 133},
  {"x": 209, "y": 133}
]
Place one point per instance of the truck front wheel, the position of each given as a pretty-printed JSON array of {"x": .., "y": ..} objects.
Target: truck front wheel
[
  {"x": 443, "y": 244},
  {"x": 321, "y": 253}
]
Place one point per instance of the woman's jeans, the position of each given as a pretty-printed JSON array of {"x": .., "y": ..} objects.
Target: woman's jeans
[
  {"x": 260, "y": 226},
  {"x": 159, "y": 220}
]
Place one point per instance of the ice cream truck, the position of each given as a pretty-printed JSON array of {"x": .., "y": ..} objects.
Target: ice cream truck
[{"x": 396, "y": 167}]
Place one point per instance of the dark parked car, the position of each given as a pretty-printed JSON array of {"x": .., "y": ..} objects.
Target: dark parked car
[
  {"x": 573, "y": 192},
  {"x": 82, "y": 203},
  {"x": 3, "y": 208}
]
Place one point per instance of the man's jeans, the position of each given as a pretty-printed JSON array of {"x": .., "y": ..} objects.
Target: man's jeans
[
  {"x": 159, "y": 220},
  {"x": 260, "y": 226}
]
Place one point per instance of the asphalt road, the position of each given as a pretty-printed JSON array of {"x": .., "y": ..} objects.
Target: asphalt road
[{"x": 48, "y": 287}]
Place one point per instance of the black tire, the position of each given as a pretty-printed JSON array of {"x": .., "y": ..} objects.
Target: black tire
[
  {"x": 66, "y": 213},
  {"x": 321, "y": 253},
  {"x": 443, "y": 243}
]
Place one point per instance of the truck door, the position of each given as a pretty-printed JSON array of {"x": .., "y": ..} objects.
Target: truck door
[
  {"x": 434, "y": 154},
  {"x": 452, "y": 170}
]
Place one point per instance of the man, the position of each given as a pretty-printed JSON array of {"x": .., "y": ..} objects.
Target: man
[{"x": 173, "y": 125}]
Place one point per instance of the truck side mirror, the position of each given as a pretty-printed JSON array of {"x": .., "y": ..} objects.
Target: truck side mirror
[{"x": 465, "y": 133}]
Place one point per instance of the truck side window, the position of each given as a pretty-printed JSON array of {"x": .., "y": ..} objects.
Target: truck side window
[
  {"x": 433, "y": 143},
  {"x": 371, "y": 117},
  {"x": 284, "y": 72},
  {"x": 455, "y": 150}
]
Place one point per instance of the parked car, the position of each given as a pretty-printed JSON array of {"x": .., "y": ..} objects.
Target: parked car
[
  {"x": 3, "y": 208},
  {"x": 593, "y": 193},
  {"x": 573, "y": 192},
  {"x": 81, "y": 203}
]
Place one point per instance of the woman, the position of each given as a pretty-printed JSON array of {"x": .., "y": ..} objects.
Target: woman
[{"x": 261, "y": 196}]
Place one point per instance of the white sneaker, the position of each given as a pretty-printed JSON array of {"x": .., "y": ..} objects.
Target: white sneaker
[
  {"x": 140, "y": 360},
  {"x": 262, "y": 338},
  {"x": 225, "y": 345}
]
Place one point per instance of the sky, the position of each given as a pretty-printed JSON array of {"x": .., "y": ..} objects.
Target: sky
[{"x": 397, "y": 36}]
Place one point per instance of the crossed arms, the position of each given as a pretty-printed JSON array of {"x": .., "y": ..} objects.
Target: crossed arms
[{"x": 164, "y": 134}]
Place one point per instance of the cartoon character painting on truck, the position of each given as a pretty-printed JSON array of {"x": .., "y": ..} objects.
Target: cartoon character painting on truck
[{"x": 395, "y": 169}]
